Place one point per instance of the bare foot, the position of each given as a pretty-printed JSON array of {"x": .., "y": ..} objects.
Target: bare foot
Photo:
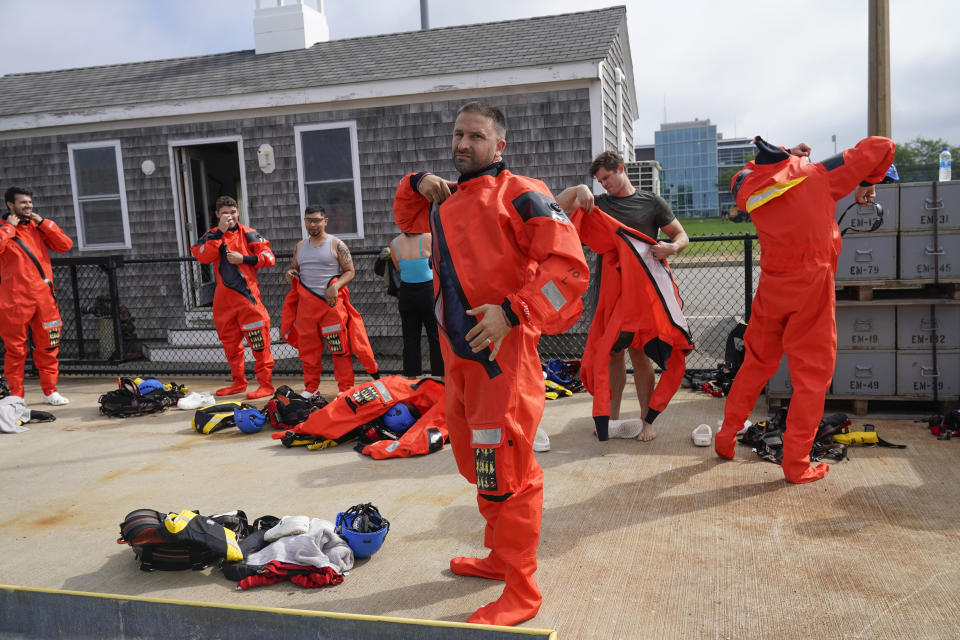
[{"x": 647, "y": 434}]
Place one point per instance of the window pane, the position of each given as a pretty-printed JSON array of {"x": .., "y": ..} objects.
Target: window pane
[
  {"x": 102, "y": 222},
  {"x": 337, "y": 200},
  {"x": 96, "y": 171},
  {"x": 326, "y": 155}
]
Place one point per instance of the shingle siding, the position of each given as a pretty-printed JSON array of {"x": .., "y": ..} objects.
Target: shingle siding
[{"x": 548, "y": 138}]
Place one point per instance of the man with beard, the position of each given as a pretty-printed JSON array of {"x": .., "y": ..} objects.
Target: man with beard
[
  {"x": 319, "y": 300},
  {"x": 27, "y": 300},
  {"x": 237, "y": 251},
  {"x": 508, "y": 265}
]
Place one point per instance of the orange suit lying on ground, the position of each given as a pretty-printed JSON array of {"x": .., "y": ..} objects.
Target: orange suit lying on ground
[
  {"x": 499, "y": 239},
  {"x": 308, "y": 323},
  {"x": 238, "y": 312},
  {"x": 639, "y": 306},
  {"x": 27, "y": 300},
  {"x": 792, "y": 203},
  {"x": 365, "y": 402}
]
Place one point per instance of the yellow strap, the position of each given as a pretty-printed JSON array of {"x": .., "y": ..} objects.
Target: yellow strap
[
  {"x": 776, "y": 190},
  {"x": 177, "y": 522}
]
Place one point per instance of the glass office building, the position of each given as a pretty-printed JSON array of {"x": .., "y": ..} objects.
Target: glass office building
[
  {"x": 732, "y": 154},
  {"x": 687, "y": 151}
]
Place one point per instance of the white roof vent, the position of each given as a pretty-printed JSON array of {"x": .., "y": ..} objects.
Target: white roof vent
[{"x": 288, "y": 27}]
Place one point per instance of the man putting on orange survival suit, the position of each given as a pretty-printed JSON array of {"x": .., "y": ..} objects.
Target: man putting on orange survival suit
[
  {"x": 649, "y": 214},
  {"x": 507, "y": 265},
  {"x": 27, "y": 293},
  {"x": 237, "y": 251},
  {"x": 792, "y": 202},
  {"x": 318, "y": 306}
]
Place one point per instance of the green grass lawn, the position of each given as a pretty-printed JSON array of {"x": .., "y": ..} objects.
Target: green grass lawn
[
  {"x": 715, "y": 227},
  {"x": 719, "y": 249}
]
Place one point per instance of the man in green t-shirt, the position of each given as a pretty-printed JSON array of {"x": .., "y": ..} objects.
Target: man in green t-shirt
[{"x": 649, "y": 214}]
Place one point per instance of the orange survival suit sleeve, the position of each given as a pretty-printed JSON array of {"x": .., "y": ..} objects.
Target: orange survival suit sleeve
[
  {"x": 550, "y": 299},
  {"x": 207, "y": 249},
  {"x": 262, "y": 257},
  {"x": 411, "y": 211},
  {"x": 867, "y": 162},
  {"x": 54, "y": 237}
]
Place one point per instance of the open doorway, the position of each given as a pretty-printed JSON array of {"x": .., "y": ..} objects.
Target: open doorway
[{"x": 203, "y": 171}]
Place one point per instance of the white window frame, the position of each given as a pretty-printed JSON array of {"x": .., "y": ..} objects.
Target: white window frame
[
  {"x": 78, "y": 216},
  {"x": 351, "y": 125}
]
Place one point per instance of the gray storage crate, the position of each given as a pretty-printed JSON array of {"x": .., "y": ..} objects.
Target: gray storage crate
[
  {"x": 862, "y": 217},
  {"x": 864, "y": 373},
  {"x": 866, "y": 327},
  {"x": 919, "y": 211},
  {"x": 868, "y": 256},
  {"x": 916, "y": 326},
  {"x": 780, "y": 382},
  {"x": 918, "y": 252},
  {"x": 916, "y": 375}
]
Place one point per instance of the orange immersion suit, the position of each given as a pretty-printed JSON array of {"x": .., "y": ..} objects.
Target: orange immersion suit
[
  {"x": 792, "y": 203},
  {"x": 649, "y": 318},
  {"x": 238, "y": 312},
  {"x": 309, "y": 323},
  {"x": 365, "y": 402},
  {"x": 499, "y": 239},
  {"x": 27, "y": 300}
]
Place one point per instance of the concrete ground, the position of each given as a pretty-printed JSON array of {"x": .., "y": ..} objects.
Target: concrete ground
[{"x": 639, "y": 540}]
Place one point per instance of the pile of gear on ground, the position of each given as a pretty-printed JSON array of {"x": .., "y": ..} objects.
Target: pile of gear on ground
[{"x": 309, "y": 552}]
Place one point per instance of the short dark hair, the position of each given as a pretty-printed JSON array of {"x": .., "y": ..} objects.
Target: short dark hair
[
  {"x": 314, "y": 208},
  {"x": 11, "y": 193},
  {"x": 224, "y": 201},
  {"x": 609, "y": 160},
  {"x": 488, "y": 110}
]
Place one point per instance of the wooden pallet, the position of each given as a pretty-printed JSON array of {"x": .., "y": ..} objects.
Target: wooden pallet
[
  {"x": 918, "y": 406},
  {"x": 897, "y": 289}
]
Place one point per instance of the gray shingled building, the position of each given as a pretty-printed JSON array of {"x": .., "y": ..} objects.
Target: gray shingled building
[{"x": 129, "y": 158}]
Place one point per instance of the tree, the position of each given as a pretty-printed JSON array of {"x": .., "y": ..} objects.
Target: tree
[{"x": 917, "y": 160}]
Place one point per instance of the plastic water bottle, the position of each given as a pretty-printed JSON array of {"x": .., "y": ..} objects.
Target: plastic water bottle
[{"x": 945, "y": 162}]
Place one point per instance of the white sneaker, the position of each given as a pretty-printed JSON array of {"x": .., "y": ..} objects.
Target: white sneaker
[
  {"x": 541, "y": 441},
  {"x": 55, "y": 399},
  {"x": 195, "y": 400},
  {"x": 626, "y": 428},
  {"x": 306, "y": 395}
]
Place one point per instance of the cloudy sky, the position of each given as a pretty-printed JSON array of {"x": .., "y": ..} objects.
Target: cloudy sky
[{"x": 787, "y": 71}]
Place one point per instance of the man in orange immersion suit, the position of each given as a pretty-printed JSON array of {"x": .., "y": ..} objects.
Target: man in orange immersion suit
[
  {"x": 639, "y": 308},
  {"x": 649, "y": 214},
  {"x": 237, "y": 251},
  {"x": 792, "y": 202},
  {"x": 27, "y": 298},
  {"x": 507, "y": 265},
  {"x": 317, "y": 310}
]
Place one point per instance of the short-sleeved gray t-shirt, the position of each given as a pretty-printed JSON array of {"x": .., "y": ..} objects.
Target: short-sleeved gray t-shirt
[{"x": 644, "y": 211}]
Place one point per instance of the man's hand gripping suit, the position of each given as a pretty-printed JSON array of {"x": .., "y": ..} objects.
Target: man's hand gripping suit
[
  {"x": 499, "y": 239},
  {"x": 639, "y": 306},
  {"x": 792, "y": 203},
  {"x": 238, "y": 312},
  {"x": 27, "y": 300}
]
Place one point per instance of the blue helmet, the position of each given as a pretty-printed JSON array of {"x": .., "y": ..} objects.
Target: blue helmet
[
  {"x": 891, "y": 175},
  {"x": 148, "y": 385},
  {"x": 363, "y": 528},
  {"x": 400, "y": 417},
  {"x": 248, "y": 420}
]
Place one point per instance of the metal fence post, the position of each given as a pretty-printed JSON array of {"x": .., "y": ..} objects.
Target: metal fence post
[
  {"x": 747, "y": 275},
  {"x": 112, "y": 264}
]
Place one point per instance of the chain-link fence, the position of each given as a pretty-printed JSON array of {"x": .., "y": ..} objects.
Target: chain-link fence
[{"x": 153, "y": 316}]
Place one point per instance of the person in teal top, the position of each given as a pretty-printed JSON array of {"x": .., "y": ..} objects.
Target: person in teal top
[{"x": 410, "y": 253}]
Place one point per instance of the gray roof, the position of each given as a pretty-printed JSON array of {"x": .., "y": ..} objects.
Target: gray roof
[{"x": 571, "y": 37}]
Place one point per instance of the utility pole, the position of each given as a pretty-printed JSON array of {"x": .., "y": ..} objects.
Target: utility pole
[{"x": 878, "y": 69}]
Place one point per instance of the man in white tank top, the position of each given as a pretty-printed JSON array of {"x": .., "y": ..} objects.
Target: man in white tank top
[{"x": 320, "y": 270}]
